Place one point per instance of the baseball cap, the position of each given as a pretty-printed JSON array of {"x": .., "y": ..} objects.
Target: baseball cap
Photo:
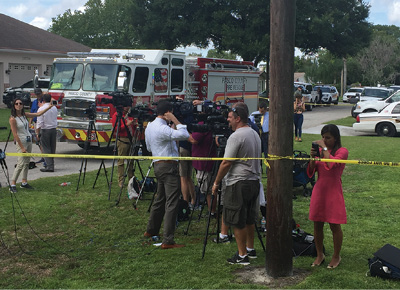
[{"x": 37, "y": 91}]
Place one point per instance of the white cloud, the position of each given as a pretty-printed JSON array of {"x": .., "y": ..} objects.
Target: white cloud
[
  {"x": 394, "y": 12},
  {"x": 18, "y": 11},
  {"x": 40, "y": 22}
]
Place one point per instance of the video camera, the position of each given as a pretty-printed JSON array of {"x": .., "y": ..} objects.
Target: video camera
[
  {"x": 119, "y": 99},
  {"x": 91, "y": 111},
  {"x": 212, "y": 115},
  {"x": 142, "y": 113}
]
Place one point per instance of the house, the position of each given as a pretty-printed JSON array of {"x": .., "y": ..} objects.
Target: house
[{"x": 25, "y": 48}]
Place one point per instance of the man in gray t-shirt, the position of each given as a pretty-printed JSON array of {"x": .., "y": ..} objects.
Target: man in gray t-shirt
[{"x": 243, "y": 182}]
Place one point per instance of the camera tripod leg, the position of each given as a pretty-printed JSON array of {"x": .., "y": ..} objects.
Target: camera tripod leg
[
  {"x": 142, "y": 187},
  {"x": 259, "y": 236},
  {"x": 207, "y": 229}
]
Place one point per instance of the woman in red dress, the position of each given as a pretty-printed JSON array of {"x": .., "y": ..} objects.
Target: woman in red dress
[{"x": 327, "y": 202}]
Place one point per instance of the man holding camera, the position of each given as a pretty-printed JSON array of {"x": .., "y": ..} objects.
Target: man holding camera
[
  {"x": 123, "y": 142},
  {"x": 243, "y": 183},
  {"x": 46, "y": 131},
  {"x": 161, "y": 141}
]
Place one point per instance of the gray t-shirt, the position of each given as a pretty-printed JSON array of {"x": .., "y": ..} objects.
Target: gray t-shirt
[{"x": 244, "y": 142}]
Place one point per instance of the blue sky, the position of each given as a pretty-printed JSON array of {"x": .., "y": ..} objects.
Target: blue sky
[{"x": 40, "y": 12}]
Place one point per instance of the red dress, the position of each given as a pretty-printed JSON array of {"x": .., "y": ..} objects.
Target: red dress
[{"x": 327, "y": 201}]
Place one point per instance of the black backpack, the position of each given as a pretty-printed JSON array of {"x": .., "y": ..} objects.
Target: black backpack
[{"x": 183, "y": 210}]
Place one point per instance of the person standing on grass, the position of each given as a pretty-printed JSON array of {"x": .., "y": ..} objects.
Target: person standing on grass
[
  {"x": 243, "y": 183},
  {"x": 299, "y": 108},
  {"x": 161, "y": 141},
  {"x": 23, "y": 140},
  {"x": 327, "y": 201}
]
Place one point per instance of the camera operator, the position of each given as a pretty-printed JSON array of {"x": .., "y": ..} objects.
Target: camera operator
[
  {"x": 123, "y": 143},
  {"x": 203, "y": 146},
  {"x": 161, "y": 141},
  {"x": 243, "y": 182}
]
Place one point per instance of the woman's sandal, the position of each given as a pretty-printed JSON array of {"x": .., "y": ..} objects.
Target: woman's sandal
[{"x": 317, "y": 265}]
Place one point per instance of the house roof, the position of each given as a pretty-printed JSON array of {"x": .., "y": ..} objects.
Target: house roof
[{"x": 18, "y": 35}]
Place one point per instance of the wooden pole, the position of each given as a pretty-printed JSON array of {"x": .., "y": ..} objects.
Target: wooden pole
[{"x": 280, "y": 176}]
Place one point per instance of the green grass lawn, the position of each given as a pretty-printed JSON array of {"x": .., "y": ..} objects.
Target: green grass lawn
[
  {"x": 56, "y": 237},
  {"x": 4, "y": 116}
]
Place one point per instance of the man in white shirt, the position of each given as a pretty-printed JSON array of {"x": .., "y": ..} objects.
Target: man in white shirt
[
  {"x": 161, "y": 141},
  {"x": 46, "y": 131}
]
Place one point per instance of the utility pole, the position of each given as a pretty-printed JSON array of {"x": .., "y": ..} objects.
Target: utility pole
[{"x": 280, "y": 177}]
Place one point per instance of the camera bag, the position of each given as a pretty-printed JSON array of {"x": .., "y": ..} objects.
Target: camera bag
[
  {"x": 386, "y": 263},
  {"x": 183, "y": 210}
]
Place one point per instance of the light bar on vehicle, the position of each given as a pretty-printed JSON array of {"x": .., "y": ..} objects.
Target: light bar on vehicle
[
  {"x": 93, "y": 54},
  {"x": 133, "y": 56}
]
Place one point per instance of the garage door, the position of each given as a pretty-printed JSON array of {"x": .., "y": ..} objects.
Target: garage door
[{"x": 21, "y": 73}]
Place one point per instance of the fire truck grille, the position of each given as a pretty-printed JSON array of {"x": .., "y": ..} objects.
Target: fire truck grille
[{"x": 76, "y": 108}]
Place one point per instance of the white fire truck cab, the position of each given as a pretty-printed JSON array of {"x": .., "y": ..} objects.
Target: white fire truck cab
[{"x": 83, "y": 80}]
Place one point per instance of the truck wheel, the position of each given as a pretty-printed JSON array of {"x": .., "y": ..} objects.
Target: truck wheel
[
  {"x": 309, "y": 107},
  {"x": 386, "y": 130}
]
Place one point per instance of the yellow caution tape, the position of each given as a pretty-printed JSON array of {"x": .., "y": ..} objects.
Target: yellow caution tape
[{"x": 270, "y": 157}]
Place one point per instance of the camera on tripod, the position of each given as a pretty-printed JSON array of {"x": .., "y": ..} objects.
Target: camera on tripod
[
  {"x": 214, "y": 119},
  {"x": 91, "y": 111},
  {"x": 142, "y": 113},
  {"x": 119, "y": 99}
]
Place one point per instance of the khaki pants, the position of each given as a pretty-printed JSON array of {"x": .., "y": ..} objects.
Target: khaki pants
[
  {"x": 124, "y": 148},
  {"x": 23, "y": 162}
]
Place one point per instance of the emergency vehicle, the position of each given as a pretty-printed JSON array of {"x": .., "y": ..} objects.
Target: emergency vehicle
[{"x": 84, "y": 79}]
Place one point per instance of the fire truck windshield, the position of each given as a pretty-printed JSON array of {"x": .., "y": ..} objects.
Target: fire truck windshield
[
  {"x": 100, "y": 77},
  {"x": 66, "y": 76},
  {"x": 96, "y": 77}
]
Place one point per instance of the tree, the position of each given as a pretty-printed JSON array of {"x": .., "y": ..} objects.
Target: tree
[
  {"x": 101, "y": 25},
  {"x": 379, "y": 61},
  {"x": 239, "y": 26},
  {"x": 339, "y": 26},
  {"x": 213, "y": 53}
]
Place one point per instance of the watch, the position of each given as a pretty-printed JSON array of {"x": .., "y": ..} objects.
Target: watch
[{"x": 324, "y": 149}]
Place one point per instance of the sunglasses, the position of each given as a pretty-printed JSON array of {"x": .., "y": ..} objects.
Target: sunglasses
[{"x": 18, "y": 103}]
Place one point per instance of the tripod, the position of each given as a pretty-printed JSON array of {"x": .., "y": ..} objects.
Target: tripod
[
  {"x": 90, "y": 130},
  {"x": 116, "y": 129},
  {"x": 133, "y": 152},
  {"x": 3, "y": 161}
]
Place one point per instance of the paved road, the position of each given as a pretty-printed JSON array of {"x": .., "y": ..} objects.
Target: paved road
[
  {"x": 314, "y": 120},
  {"x": 312, "y": 124}
]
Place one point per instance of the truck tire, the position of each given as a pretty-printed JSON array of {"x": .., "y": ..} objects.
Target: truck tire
[
  {"x": 386, "y": 130},
  {"x": 309, "y": 107}
]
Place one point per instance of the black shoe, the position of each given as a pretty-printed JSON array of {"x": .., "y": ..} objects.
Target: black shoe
[
  {"x": 252, "y": 254},
  {"x": 236, "y": 259},
  {"x": 13, "y": 189},
  {"x": 27, "y": 186},
  {"x": 46, "y": 170}
]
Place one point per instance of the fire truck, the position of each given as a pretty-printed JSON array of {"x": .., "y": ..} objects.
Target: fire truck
[{"x": 83, "y": 80}]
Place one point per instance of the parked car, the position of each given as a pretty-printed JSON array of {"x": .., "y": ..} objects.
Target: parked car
[
  {"x": 306, "y": 90},
  {"x": 11, "y": 93},
  {"x": 375, "y": 99},
  {"x": 329, "y": 94},
  {"x": 384, "y": 123},
  {"x": 395, "y": 88},
  {"x": 352, "y": 93}
]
